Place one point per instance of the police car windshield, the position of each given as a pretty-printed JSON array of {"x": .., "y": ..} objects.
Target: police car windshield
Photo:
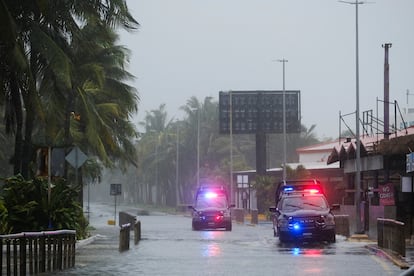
[
  {"x": 303, "y": 202},
  {"x": 203, "y": 202}
]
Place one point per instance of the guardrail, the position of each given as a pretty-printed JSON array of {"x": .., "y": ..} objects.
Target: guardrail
[
  {"x": 391, "y": 235},
  {"x": 124, "y": 235},
  {"x": 342, "y": 225},
  {"x": 137, "y": 231},
  {"x": 238, "y": 215},
  {"x": 125, "y": 217},
  {"x": 37, "y": 252}
]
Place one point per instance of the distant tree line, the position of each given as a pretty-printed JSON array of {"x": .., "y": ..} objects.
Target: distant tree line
[{"x": 167, "y": 153}]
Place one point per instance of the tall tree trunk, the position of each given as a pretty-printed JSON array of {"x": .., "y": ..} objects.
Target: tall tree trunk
[
  {"x": 17, "y": 105},
  {"x": 27, "y": 153}
]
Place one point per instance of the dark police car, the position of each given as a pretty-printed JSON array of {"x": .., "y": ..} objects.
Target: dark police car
[
  {"x": 297, "y": 185},
  {"x": 211, "y": 208},
  {"x": 302, "y": 213}
]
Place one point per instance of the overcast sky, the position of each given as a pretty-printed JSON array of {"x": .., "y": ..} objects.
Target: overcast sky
[{"x": 187, "y": 48}]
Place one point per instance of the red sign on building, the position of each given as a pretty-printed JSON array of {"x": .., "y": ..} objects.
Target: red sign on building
[{"x": 386, "y": 194}]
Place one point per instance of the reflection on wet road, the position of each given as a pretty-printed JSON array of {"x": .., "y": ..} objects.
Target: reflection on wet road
[{"x": 170, "y": 247}]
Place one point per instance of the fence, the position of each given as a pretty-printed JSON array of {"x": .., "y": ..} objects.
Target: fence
[
  {"x": 391, "y": 235},
  {"x": 37, "y": 252}
]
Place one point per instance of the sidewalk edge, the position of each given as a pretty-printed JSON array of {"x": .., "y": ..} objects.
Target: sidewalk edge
[
  {"x": 89, "y": 240},
  {"x": 393, "y": 257}
]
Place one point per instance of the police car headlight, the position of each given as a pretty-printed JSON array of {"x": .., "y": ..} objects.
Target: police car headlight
[{"x": 283, "y": 222}]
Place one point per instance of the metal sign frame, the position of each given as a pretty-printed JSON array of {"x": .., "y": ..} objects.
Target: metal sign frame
[
  {"x": 259, "y": 111},
  {"x": 116, "y": 189}
]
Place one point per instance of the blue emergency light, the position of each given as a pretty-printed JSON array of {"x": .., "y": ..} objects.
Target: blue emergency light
[{"x": 296, "y": 226}]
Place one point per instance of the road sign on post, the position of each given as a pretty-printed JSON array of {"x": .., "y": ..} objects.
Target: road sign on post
[
  {"x": 76, "y": 158},
  {"x": 115, "y": 190}
]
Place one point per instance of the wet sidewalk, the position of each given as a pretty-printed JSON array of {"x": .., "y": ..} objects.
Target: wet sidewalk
[{"x": 404, "y": 262}]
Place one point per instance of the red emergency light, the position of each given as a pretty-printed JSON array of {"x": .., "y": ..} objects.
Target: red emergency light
[{"x": 312, "y": 191}]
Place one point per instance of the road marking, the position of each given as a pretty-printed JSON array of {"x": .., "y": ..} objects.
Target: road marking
[{"x": 384, "y": 265}]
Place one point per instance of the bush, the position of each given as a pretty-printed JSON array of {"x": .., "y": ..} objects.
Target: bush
[
  {"x": 265, "y": 190},
  {"x": 4, "y": 228},
  {"x": 28, "y": 207}
]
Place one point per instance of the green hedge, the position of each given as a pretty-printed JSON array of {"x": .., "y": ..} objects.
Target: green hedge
[{"x": 25, "y": 206}]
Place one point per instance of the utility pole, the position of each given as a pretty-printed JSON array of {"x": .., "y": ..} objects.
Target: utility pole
[
  {"x": 386, "y": 46},
  {"x": 231, "y": 148},
  {"x": 357, "y": 132}
]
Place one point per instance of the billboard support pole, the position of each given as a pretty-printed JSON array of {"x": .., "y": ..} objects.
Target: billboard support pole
[{"x": 284, "y": 119}]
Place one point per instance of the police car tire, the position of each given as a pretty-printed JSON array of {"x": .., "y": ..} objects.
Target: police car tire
[{"x": 332, "y": 237}]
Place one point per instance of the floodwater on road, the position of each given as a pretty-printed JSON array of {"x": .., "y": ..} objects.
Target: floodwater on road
[{"x": 169, "y": 247}]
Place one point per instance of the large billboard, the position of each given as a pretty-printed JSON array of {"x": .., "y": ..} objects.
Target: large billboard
[{"x": 259, "y": 111}]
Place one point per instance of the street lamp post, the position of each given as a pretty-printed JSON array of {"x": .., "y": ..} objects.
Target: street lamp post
[
  {"x": 177, "y": 193},
  {"x": 358, "y": 141},
  {"x": 198, "y": 143},
  {"x": 198, "y": 147}
]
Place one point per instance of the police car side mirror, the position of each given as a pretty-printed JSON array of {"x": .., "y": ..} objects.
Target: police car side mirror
[
  {"x": 191, "y": 207},
  {"x": 274, "y": 210}
]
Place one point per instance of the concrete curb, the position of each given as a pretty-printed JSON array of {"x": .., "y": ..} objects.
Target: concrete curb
[
  {"x": 393, "y": 257},
  {"x": 397, "y": 259},
  {"x": 87, "y": 241}
]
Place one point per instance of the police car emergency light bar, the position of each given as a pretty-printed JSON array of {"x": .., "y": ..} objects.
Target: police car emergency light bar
[
  {"x": 311, "y": 190},
  {"x": 210, "y": 195}
]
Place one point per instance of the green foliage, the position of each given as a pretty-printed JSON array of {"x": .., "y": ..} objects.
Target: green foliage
[
  {"x": 266, "y": 186},
  {"x": 59, "y": 58},
  {"x": 4, "y": 227},
  {"x": 27, "y": 207},
  {"x": 299, "y": 173},
  {"x": 265, "y": 190}
]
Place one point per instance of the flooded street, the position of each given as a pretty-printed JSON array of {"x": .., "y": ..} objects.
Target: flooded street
[{"x": 170, "y": 247}]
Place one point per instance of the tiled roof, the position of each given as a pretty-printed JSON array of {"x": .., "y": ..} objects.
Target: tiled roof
[{"x": 370, "y": 145}]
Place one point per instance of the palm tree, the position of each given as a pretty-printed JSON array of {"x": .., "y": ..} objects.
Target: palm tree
[
  {"x": 214, "y": 149},
  {"x": 103, "y": 100},
  {"x": 16, "y": 79},
  {"x": 157, "y": 152},
  {"x": 35, "y": 46}
]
